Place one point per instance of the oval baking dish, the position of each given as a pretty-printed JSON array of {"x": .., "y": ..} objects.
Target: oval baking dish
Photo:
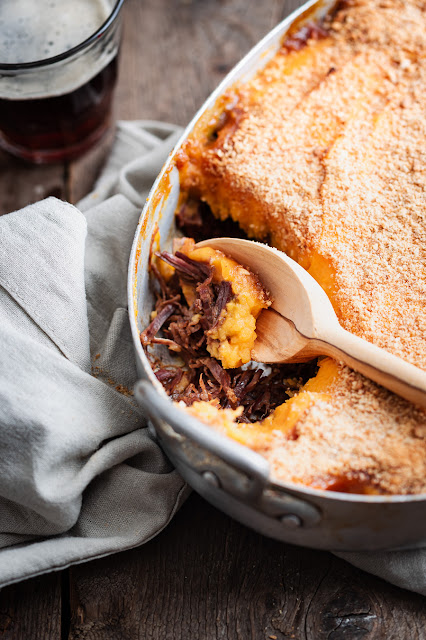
[{"x": 228, "y": 474}]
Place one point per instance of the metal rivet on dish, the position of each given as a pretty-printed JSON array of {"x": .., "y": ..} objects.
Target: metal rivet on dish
[
  {"x": 291, "y": 521},
  {"x": 211, "y": 478}
]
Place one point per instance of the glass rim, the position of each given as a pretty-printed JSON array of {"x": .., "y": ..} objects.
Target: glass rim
[{"x": 45, "y": 62}]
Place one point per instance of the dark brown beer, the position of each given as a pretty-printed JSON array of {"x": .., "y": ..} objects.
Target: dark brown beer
[
  {"x": 59, "y": 127},
  {"x": 58, "y": 69}
]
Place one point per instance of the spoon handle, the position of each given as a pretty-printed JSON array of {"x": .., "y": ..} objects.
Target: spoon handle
[{"x": 375, "y": 363}]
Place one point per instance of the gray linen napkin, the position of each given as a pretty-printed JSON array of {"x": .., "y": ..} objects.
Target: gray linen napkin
[{"x": 79, "y": 476}]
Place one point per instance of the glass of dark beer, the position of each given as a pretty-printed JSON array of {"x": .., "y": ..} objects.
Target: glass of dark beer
[{"x": 58, "y": 68}]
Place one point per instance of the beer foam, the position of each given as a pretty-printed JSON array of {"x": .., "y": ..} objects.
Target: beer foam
[
  {"x": 32, "y": 30},
  {"x": 35, "y": 30}
]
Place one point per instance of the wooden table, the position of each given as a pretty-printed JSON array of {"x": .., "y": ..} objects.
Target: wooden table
[{"x": 205, "y": 576}]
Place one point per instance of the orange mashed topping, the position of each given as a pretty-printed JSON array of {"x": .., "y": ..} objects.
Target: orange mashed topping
[
  {"x": 232, "y": 340},
  {"x": 322, "y": 153}
]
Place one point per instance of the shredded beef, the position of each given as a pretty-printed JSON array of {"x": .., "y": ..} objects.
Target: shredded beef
[
  {"x": 155, "y": 326},
  {"x": 196, "y": 220},
  {"x": 189, "y": 269},
  {"x": 224, "y": 295},
  {"x": 185, "y": 330}
]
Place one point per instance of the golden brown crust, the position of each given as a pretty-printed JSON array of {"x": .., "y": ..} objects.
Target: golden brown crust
[
  {"x": 342, "y": 432},
  {"x": 327, "y": 160},
  {"x": 362, "y": 434}
]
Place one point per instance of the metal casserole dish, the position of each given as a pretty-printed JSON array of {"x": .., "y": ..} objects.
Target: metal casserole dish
[{"x": 229, "y": 475}]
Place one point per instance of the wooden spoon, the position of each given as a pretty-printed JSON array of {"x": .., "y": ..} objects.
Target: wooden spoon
[{"x": 302, "y": 324}]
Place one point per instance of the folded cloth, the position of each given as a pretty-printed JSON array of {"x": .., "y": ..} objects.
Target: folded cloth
[{"x": 80, "y": 477}]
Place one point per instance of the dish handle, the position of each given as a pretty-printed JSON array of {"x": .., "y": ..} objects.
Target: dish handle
[{"x": 222, "y": 463}]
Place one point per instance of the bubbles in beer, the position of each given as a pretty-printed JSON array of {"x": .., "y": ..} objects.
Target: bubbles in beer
[{"x": 32, "y": 30}]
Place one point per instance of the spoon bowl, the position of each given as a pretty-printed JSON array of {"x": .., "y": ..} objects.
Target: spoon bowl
[{"x": 301, "y": 323}]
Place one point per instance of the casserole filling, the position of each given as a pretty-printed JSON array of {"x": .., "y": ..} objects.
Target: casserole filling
[
  {"x": 318, "y": 424},
  {"x": 239, "y": 300},
  {"x": 206, "y": 308},
  {"x": 321, "y": 154}
]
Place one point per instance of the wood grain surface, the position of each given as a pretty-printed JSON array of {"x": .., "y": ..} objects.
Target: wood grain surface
[
  {"x": 209, "y": 577},
  {"x": 205, "y": 577}
]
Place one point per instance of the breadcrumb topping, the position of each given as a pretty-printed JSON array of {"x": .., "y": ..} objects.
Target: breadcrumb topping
[
  {"x": 328, "y": 162},
  {"x": 362, "y": 438}
]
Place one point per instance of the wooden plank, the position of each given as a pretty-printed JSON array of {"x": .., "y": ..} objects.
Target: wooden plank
[
  {"x": 208, "y": 577},
  {"x": 31, "y": 609},
  {"x": 175, "y": 53},
  {"x": 22, "y": 183}
]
